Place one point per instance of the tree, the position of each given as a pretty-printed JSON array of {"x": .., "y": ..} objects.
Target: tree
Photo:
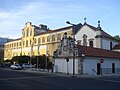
[
  {"x": 26, "y": 59},
  {"x": 21, "y": 59},
  {"x": 41, "y": 61},
  {"x": 117, "y": 37}
]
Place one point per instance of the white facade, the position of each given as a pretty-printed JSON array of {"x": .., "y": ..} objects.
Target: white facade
[
  {"x": 85, "y": 30},
  {"x": 61, "y": 65},
  {"x": 89, "y": 65},
  {"x": 106, "y": 43},
  {"x": 98, "y": 42}
]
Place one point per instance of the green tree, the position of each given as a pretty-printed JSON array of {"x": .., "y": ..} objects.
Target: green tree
[
  {"x": 117, "y": 37},
  {"x": 21, "y": 59},
  {"x": 41, "y": 61}
]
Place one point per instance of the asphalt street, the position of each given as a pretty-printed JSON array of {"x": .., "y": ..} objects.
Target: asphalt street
[{"x": 14, "y": 80}]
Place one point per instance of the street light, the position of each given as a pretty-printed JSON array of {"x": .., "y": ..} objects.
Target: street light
[{"x": 73, "y": 32}]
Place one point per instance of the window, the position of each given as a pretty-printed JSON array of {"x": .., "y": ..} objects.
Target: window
[
  {"x": 84, "y": 40},
  {"x": 27, "y": 43},
  {"x": 91, "y": 43},
  {"x": 23, "y": 43},
  {"x": 10, "y": 45},
  {"x": 58, "y": 37},
  {"x": 39, "y": 40},
  {"x": 43, "y": 39},
  {"x": 53, "y": 38},
  {"x": 17, "y": 44},
  {"x": 30, "y": 32},
  {"x": 111, "y": 46},
  {"x": 27, "y": 32},
  {"x": 35, "y": 41},
  {"x": 20, "y": 44},
  {"x": 30, "y": 42},
  {"x": 48, "y": 39},
  {"x": 14, "y": 44}
]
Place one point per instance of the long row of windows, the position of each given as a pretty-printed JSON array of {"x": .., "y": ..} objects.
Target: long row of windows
[
  {"x": 17, "y": 44},
  {"x": 48, "y": 39},
  {"x": 39, "y": 40}
]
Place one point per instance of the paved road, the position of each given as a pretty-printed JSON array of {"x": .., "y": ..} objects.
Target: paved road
[{"x": 13, "y": 80}]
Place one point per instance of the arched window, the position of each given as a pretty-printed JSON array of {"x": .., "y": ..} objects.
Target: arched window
[
  {"x": 30, "y": 32},
  {"x": 23, "y": 43},
  {"x": 53, "y": 38},
  {"x": 30, "y": 42},
  {"x": 43, "y": 39},
  {"x": 58, "y": 37},
  {"x": 27, "y": 43},
  {"x": 48, "y": 39},
  {"x": 84, "y": 40},
  {"x": 20, "y": 44},
  {"x": 39, "y": 40},
  {"x": 27, "y": 32},
  {"x": 91, "y": 43}
]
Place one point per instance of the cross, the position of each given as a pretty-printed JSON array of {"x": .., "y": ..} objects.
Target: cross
[{"x": 85, "y": 19}]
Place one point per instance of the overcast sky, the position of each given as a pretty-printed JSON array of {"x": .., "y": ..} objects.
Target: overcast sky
[{"x": 54, "y": 13}]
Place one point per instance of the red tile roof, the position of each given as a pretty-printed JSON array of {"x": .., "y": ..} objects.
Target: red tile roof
[
  {"x": 56, "y": 30},
  {"x": 14, "y": 40},
  {"x": 96, "y": 52}
]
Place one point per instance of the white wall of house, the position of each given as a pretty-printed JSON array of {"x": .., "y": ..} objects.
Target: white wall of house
[
  {"x": 106, "y": 43},
  {"x": 90, "y": 35},
  {"x": 61, "y": 66},
  {"x": 103, "y": 43},
  {"x": 89, "y": 64}
]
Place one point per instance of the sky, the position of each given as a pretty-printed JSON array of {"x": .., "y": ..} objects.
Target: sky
[{"x": 54, "y": 13}]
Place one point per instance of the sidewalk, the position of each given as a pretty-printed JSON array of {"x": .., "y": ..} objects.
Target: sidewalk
[{"x": 45, "y": 71}]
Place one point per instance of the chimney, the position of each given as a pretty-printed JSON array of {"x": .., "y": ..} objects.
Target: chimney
[{"x": 43, "y": 27}]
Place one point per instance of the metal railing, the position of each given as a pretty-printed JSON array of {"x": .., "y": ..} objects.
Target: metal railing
[{"x": 109, "y": 71}]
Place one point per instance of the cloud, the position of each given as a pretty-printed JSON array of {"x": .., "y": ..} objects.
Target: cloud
[{"x": 51, "y": 12}]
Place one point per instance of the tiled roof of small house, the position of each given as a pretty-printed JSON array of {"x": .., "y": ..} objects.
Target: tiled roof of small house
[{"x": 96, "y": 52}]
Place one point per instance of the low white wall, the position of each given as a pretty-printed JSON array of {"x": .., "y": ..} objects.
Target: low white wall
[
  {"x": 61, "y": 66},
  {"x": 90, "y": 63}
]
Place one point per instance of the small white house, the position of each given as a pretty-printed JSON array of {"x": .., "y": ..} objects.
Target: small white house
[{"x": 95, "y": 62}]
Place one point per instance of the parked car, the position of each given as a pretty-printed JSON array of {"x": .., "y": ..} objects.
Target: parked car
[
  {"x": 26, "y": 65},
  {"x": 2, "y": 65},
  {"x": 16, "y": 66}
]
